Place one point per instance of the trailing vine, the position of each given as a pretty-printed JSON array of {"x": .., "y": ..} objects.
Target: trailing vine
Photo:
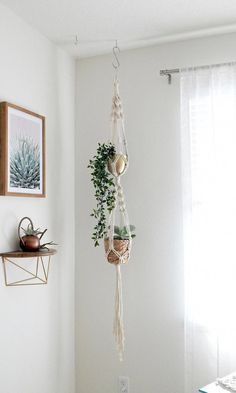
[{"x": 104, "y": 188}]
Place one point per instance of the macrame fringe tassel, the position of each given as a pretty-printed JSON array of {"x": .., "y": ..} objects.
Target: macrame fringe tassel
[{"x": 118, "y": 327}]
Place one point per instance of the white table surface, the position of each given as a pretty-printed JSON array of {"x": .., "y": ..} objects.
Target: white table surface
[{"x": 213, "y": 388}]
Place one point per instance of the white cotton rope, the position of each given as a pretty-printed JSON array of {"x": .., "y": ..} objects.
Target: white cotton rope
[
  {"x": 116, "y": 110},
  {"x": 118, "y": 327},
  {"x": 120, "y": 210}
]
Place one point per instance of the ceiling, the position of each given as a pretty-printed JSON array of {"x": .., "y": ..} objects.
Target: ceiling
[{"x": 134, "y": 23}]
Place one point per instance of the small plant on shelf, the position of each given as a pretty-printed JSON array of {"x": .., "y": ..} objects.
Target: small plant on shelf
[
  {"x": 30, "y": 231},
  {"x": 104, "y": 186},
  {"x": 30, "y": 241}
]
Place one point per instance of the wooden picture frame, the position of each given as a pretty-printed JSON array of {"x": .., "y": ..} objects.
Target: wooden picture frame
[{"x": 22, "y": 152}]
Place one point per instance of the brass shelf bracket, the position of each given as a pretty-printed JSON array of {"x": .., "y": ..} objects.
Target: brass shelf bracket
[{"x": 16, "y": 263}]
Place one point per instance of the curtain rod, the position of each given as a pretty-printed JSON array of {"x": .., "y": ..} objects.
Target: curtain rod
[
  {"x": 168, "y": 73},
  {"x": 171, "y": 71}
]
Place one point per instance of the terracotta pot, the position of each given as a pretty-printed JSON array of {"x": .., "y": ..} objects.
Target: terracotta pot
[
  {"x": 29, "y": 243},
  {"x": 121, "y": 246}
]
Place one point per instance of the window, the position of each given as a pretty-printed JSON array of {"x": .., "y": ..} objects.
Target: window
[{"x": 208, "y": 122}]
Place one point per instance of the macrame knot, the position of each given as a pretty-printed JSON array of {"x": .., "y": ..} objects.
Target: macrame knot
[{"x": 117, "y": 110}]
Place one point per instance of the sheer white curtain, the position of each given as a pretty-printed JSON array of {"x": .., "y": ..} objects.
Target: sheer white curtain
[{"x": 208, "y": 126}]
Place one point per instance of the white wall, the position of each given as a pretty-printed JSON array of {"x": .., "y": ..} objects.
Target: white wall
[
  {"x": 153, "y": 280},
  {"x": 37, "y": 323}
]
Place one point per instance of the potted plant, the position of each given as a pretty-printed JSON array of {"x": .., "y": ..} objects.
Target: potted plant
[
  {"x": 30, "y": 241},
  {"x": 119, "y": 247},
  {"x": 102, "y": 168}
]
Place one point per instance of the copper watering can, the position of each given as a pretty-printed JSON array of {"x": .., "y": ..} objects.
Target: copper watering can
[{"x": 30, "y": 241}]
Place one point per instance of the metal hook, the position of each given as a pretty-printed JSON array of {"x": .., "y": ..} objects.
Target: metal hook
[
  {"x": 76, "y": 41},
  {"x": 169, "y": 78},
  {"x": 116, "y": 51}
]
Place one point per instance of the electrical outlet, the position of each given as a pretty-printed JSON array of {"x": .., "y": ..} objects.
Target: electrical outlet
[{"x": 123, "y": 385}]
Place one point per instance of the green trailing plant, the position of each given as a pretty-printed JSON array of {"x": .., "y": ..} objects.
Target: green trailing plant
[
  {"x": 104, "y": 186},
  {"x": 121, "y": 233},
  {"x": 25, "y": 164}
]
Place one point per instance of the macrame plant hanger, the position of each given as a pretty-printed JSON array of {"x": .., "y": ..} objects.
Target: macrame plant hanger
[{"x": 118, "y": 249}]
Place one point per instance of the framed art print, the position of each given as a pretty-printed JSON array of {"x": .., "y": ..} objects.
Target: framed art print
[{"x": 22, "y": 152}]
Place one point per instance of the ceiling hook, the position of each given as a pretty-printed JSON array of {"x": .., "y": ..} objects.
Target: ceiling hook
[{"x": 116, "y": 51}]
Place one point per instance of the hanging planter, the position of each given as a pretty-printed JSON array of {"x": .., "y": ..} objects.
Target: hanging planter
[
  {"x": 107, "y": 167},
  {"x": 117, "y": 165},
  {"x": 117, "y": 251}
]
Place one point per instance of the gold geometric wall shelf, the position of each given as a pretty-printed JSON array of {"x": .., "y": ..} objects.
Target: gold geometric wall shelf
[{"x": 26, "y": 268}]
